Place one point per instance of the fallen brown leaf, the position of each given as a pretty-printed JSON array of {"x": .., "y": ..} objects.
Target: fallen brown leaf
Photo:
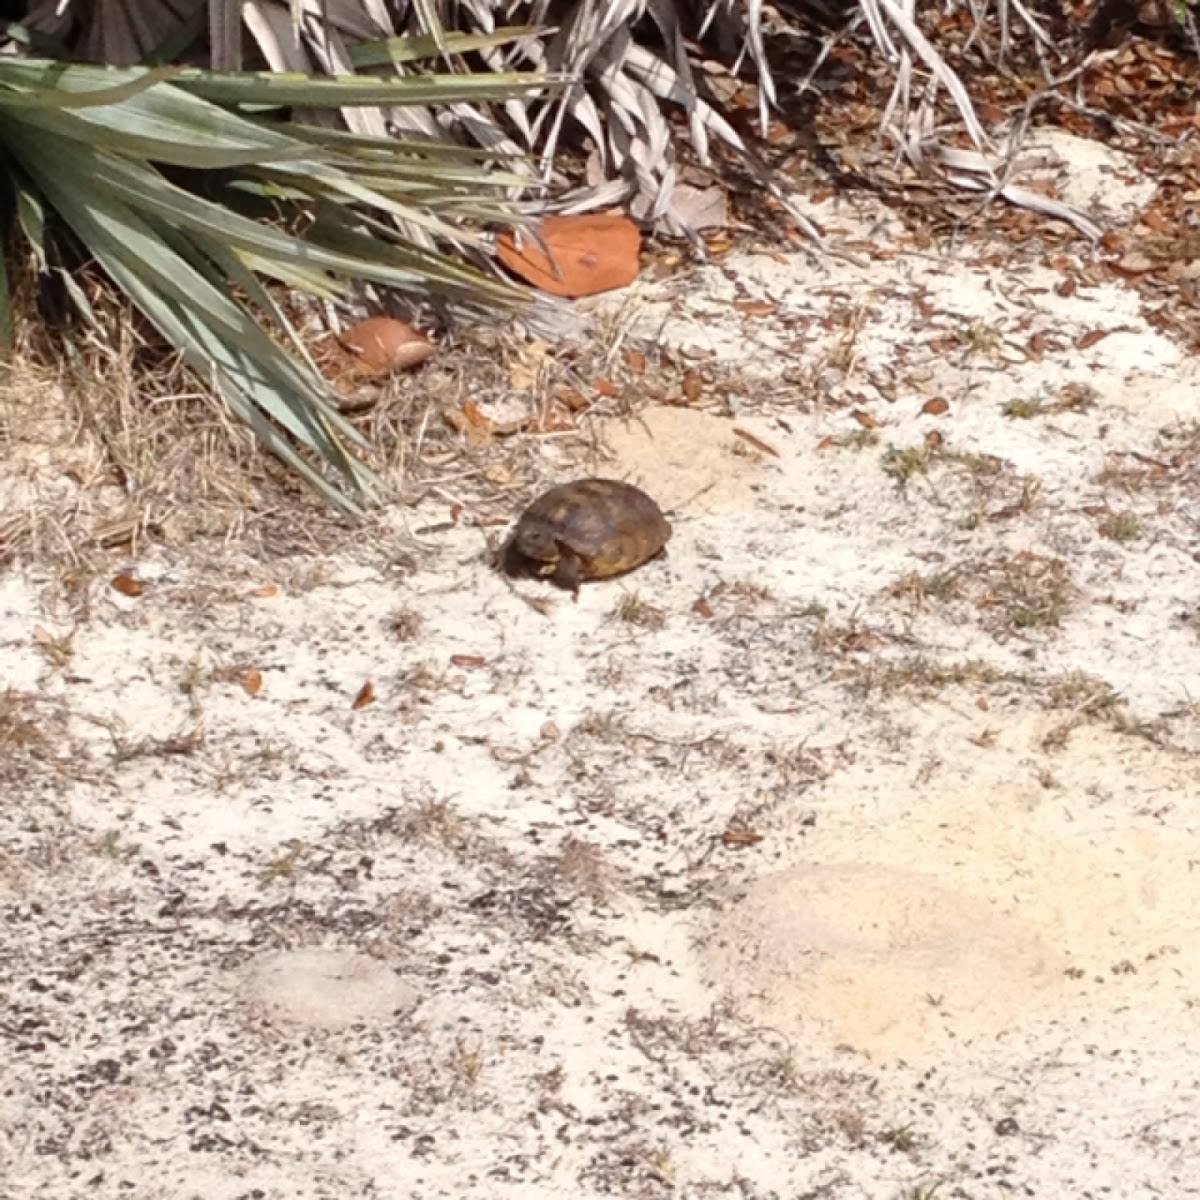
[
  {"x": 112, "y": 534},
  {"x": 756, "y": 442},
  {"x": 570, "y": 398},
  {"x": 472, "y": 421},
  {"x": 366, "y": 695},
  {"x": 1134, "y": 263},
  {"x": 475, "y": 415},
  {"x": 383, "y": 344},
  {"x": 741, "y": 837},
  {"x": 127, "y": 585},
  {"x": 498, "y": 474},
  {"x": 578, "y": 255},
  {"x": 756, "y": 308}
]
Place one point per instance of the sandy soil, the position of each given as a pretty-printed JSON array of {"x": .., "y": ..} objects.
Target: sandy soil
[{"x": 848, "y": 851}]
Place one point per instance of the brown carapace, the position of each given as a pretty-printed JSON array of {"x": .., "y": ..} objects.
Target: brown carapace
[{"x": 588, "y": 529}]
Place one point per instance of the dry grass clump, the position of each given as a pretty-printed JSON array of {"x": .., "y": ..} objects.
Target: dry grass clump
[
  {"x": 32, "y": 733},
  {"x": 1026, "y": 591},
  {"x": 111, "y": 446},
  {"x": 1012, "y": 594}
]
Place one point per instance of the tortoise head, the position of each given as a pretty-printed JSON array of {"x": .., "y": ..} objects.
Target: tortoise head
[
  {"x": 536, "y": 542},
  {"x": 531, "y": 551}
]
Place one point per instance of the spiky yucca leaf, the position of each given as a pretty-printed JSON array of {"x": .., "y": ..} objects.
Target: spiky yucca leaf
[{"x": 90, "y": 144}]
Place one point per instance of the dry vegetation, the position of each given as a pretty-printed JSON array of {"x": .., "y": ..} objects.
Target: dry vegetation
[{"x": 118, "y": 452}]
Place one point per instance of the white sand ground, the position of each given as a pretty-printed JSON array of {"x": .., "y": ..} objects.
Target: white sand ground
[{"x": 852, "y": 850}]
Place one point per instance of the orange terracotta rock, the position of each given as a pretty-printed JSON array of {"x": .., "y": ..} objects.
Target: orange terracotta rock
[{"x": 588, "y": 253}]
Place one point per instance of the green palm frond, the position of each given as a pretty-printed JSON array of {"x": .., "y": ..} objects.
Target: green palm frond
[{"x": 100, "y": 149}]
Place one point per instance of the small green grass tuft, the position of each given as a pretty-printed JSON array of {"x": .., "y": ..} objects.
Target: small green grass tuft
[
  {"x": 856, "y": 439},
  {"x": 632, "y": 610},
  {"x": 1027, "y": 591},
  {"x": 405, "y": 624},
  {"x": 926, "y": 677},
  {"x": 918, "y": 589},
  {"x": 285, "y": 863},
  {"x": 978, "y": 338},
  {"x": 1082, "y": 693},
  {"x": 900, "y": 1138},
  {"x": 1121, "y": 527},
  {"x": 1024, "y": 408},
  {"x": 434, "y": 821},
  {"x": 904, "y": 463}
]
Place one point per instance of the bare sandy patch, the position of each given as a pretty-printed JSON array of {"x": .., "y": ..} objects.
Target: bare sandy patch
[{"x": 1003, "y": 893}]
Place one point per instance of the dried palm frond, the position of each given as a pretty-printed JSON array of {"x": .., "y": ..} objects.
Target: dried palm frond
[
  {"x": 620, "y": 91},
  {"x": 910, "y": 123},
  {"x": 631, "y": 66}
]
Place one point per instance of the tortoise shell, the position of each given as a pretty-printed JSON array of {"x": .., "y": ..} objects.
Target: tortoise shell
[{"x": 588, "y": 529}]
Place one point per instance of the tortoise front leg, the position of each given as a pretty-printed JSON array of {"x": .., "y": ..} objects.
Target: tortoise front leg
[{"x": 568, "y": 570}]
